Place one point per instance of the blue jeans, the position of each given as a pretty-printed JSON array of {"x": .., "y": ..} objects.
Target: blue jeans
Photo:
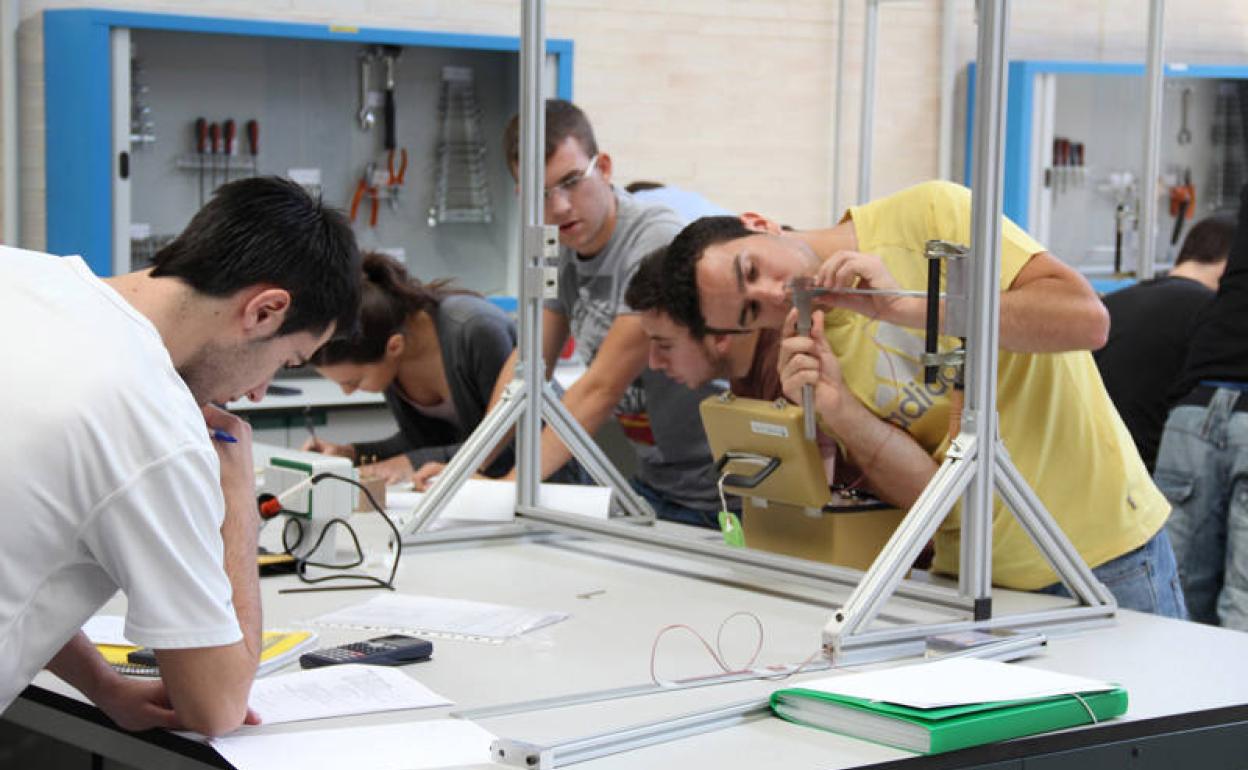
[
  {"x": 668, "y": 510},
  {"x": 1202, "y": 469},
  {"x": 1145, "y": 579}
]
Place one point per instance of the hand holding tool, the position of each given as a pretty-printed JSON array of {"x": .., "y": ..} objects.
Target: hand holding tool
[{"x": 803, "y": 289}]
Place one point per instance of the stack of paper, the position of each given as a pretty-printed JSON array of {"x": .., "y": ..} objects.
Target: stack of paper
[
  {"x": 410, "y": 746},
  {"x": 450, "y": 618},
  {"x": 949, "y": 704},
  {"x": 335, "y": 691},
  {"x": 485, "y": 500}
]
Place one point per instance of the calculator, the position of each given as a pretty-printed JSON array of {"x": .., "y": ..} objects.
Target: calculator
[{"x": 393, "y": 650}]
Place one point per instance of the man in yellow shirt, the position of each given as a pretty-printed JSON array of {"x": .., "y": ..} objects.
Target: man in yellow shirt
[{"x": 1055, "y": 418}]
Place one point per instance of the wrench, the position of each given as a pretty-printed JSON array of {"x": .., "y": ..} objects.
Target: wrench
[
  {"x": 1185, "y": 135},
  {"x": 365, "y": 115}
]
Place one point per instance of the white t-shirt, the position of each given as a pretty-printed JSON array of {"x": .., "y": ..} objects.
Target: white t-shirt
[{"x": 108, "y": 479}]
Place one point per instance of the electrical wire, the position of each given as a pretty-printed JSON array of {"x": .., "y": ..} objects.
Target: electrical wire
[
  {"x": 717, "y": 652},
  {"x": 301, "y": 565}
]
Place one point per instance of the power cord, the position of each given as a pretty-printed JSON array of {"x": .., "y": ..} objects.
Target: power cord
[{"x": 301, "y": 565}]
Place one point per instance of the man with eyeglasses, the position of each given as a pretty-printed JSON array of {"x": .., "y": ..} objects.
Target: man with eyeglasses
[
  {"x": 603, "y": 234},
  {"x": 865, "y": 352}
]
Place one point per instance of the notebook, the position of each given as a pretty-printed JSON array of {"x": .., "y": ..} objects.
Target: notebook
[
  {"x": 937, "y": 722},
  {"x": 279, "y": 648}
]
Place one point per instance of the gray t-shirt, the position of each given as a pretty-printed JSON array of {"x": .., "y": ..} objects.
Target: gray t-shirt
[{"x": 673, "y": 458}]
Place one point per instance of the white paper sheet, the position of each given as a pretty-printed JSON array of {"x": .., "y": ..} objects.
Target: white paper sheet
[
  {"x": 338, "y": 691},
  {"x": 107, "y": 629},
  {"x": 409, "y": 746},
  {"x": 482, "y": 500},
  {"x": 955, "y": 682},
  {"x": 431, "y": 616}
]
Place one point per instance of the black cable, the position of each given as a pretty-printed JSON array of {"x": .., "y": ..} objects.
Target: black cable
[{"x": 301, "y": 565}]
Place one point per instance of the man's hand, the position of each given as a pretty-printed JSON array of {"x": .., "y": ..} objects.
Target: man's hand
[
  {"x": 856, "y": 270},
  {"x": 392, "y": 469},
  {"x": 809, "y": 361},
  {"x": 138, "y": 704},
  {"x": 424, "y": 477},
  {"x": 238, "y": 472},
  {"x": 314, "y": 444}
]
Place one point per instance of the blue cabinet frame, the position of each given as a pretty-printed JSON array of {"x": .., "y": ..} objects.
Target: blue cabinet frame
[
  {"x": 77, "y": 77},
  {"x": 1020, "y": 97}
]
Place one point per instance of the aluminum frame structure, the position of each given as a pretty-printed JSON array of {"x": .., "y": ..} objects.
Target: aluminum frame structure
[
  {"x": 528, "y": 399},
  {"x": 977, "y": 463}
]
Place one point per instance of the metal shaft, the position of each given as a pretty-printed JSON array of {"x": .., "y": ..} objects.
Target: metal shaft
[
  {"x": 980, "y": 414},
  {"x": 532, "y": 171},
  {"x": 1154, "y": 74}
]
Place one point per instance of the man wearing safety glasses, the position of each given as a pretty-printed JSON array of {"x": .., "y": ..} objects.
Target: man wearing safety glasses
[{"x": 603, "y": 234}]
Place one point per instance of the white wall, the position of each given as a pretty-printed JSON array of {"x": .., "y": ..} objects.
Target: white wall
[{"x": 729, "y": 97}]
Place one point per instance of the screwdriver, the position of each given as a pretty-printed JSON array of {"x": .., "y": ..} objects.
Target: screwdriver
[
  {"x": 253, "y": 144},
  {"x": 214, "y": 139},
  {"x": 229, "y": 145},
  {"x": 201, "y": 146}
]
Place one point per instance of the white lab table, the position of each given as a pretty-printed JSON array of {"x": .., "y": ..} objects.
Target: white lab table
[{"x": 1184, "y": 679}]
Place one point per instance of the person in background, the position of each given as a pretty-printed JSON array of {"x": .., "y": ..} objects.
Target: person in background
[
  {"x": 1202, "y": 462},
  {"x": 603, "y": 233},
  {"x": 1144, "y": 355},
  {"x": 864, "y": 355},
  {"x": 108, "y": 474},
  {"x": 687, "y": 204},
  {"x": 435, "y": 351}
]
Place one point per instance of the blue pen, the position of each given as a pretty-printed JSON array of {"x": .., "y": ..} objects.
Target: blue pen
[{"x": 220, "y": 435}]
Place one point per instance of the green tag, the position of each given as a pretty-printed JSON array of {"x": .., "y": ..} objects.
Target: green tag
[{"x": 730, "y": 525}]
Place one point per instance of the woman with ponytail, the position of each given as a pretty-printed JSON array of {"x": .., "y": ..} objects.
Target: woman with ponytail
[{"x": 435, "y": 351}]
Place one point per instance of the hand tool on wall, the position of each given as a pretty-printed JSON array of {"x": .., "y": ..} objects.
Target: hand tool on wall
[
  {"x": 201, "y": 147},
  {"x": 366, "y": 187},
  {"x": 253, "y": 144},
  {"x": 1120, "y": 225},
  {"x": 365, "y": 115},
  {"x": 1076, "y": 161},
  {"x": 214, "y": 148},
  {"x": 1185, "y": 134},
  {"x": 389, "y": 56},
  {"x": 395, "y": 179},
  {"x": 1182, "y": 204},
  {"x": 228, "y": 135}
]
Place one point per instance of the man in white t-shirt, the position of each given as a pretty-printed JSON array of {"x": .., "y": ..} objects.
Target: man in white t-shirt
[{"x": 109, "y": 479}]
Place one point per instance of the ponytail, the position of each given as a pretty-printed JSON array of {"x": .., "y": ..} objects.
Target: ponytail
[{"x": 388, "y": 297}]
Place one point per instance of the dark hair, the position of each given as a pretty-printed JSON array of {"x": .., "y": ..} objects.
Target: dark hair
[
  {"x": 645, "y": 288},
  {"x": 388, "y": 296},
  {"x": 563, "y": 119},
  {"x": 641, "y": 185},
  {"x": 1209, "y": 240},
  {"x": 680, "y": 266},
  {"x": 268, "y": 230}
]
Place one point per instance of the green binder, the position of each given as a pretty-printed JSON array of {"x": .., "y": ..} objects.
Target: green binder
[{"x": 936, "y": 730}]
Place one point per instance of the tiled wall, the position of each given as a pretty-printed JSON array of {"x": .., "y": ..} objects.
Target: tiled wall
[{"x": 732, "y": 98}]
